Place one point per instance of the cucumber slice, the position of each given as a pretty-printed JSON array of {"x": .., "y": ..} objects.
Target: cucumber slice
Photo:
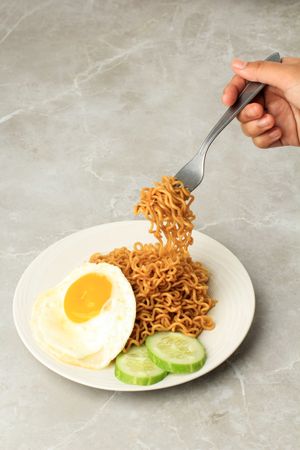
[
  {"x": 176, "y": 352},
  {"x": 135, "y": 367}
]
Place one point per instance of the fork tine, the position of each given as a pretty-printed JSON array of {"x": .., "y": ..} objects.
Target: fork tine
[{"x": 190, "y": 174}]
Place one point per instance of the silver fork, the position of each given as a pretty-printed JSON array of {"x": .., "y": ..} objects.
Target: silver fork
[{"x": 193, "y": 172}]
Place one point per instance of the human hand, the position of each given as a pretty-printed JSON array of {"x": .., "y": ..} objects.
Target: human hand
[{"x": 273, "y": 119}]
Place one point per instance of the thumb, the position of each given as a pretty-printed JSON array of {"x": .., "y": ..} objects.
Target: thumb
[{"x": 268, "y": 72}]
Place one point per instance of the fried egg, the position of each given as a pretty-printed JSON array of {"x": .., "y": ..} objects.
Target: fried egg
[{"x": 87, "y": 318}]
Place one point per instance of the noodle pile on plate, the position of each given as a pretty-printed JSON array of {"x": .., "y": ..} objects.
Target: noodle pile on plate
[{"x": 170, "y": 288}]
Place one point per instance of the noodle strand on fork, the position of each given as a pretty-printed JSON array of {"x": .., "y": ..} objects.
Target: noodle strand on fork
[{"x": 171, "y": 289}]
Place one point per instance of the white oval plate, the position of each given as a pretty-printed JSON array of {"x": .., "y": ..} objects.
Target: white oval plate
[{"x": 230, "y": 285}]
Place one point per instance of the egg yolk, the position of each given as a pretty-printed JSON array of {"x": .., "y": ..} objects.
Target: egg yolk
[{"x": 86, "y": 296}]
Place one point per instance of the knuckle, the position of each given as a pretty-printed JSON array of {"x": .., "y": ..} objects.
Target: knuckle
[
  {"x": 259, "y": 66},
  {"x": 260, "y": 143},
  {"x": 245, "y": 130},
  {"x": 242, "y": 117},
  {"x": 248, "y": 110}
]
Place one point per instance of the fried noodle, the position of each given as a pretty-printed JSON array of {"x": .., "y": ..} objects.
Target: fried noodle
[{"x": 171, "y": 289}]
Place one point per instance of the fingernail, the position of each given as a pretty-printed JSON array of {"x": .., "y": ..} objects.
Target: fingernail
[
  {"x": 275, "y": 134},
  {"x": 238, "y": 64},
  {"x": 264, "y": 122}
]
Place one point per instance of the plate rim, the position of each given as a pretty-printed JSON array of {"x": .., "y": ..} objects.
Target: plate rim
[{"x": 125, "y": 387}]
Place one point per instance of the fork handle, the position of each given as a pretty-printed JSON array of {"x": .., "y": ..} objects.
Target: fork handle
[{"x": 248, "y": 93}]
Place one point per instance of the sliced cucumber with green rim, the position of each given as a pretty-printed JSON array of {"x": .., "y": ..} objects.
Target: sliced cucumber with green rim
[
  {"x": 135, "y": 367},
  {"x": 175, "y": 352}
]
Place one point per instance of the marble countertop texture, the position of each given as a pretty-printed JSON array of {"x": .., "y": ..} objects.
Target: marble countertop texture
[{"x": 100, "y": 98}]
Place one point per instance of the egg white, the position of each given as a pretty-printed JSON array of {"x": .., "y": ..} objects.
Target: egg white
[{"x": 96, "y": 342}]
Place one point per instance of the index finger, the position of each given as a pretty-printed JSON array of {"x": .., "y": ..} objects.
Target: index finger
[{"x": 233, "y": 89}]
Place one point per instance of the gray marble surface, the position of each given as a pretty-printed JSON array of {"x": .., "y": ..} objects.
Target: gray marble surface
[{"x": 99, "y": 98}]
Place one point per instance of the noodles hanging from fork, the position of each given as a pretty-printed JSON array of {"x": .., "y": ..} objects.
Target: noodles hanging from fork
[{"x": 171, "y": 289}]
